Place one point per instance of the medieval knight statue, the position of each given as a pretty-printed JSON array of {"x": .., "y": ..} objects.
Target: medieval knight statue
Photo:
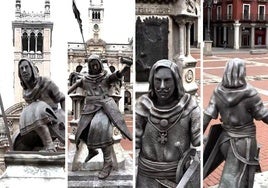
[
  {"x": 234, "y": 139},
  {"x": 167, "y": 123},
  {"x": 100, "y": 112}
]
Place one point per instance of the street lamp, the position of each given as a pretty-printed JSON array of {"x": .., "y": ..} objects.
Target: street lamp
[
  {"x": 208, "y": 42},
  {"x": 209, "y": 4}
]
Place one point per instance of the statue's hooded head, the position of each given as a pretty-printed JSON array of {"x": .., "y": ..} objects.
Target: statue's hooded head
[
  {"x": 234, "y": 74},
  {"x": 177, "y": 86},
  {"x": 95, "y": 66},
  {"x": 27, "y": 72}
]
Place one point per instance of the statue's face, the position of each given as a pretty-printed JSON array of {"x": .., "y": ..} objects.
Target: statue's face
[
  {"x": 25, "y": 71},
  {"x": 164, "y": 84},
  {"x": 94, "y": 67}
]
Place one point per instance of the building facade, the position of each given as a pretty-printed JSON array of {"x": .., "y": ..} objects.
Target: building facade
[
  {"x": 32, "y": 38},
  {"x": 237, "y": 23}
]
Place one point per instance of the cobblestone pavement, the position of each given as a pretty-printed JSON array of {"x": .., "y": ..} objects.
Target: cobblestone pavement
[{"x": 257, "y": 75}]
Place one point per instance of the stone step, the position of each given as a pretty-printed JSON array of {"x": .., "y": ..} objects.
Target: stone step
[
  {"x": 122, "y": 178},
  {"x": 93, "y": 175},
  {"x": 110, "y": 184}
]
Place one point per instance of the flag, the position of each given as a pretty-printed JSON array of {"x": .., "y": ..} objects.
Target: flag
[{"x": 77, "y": 15}]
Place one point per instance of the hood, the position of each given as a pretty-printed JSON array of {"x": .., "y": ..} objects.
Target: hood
[{"x": 232, "y": 97}]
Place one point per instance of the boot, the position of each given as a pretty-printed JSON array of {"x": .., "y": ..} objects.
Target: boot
[
  {"x": 91, "y": 154},
  {"x": 108, "y": 164},
  {"x": 44, "y": 134}
]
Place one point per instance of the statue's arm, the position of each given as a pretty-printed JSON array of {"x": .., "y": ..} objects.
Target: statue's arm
[
  {"x": 119, "y": 74},
  {"x": 195, "y": 126},
  {"x": 74, "y": 86},
  {"x": 211, "y": 112},
  {"x": 206, "y": 120},
  {"x": 56, "y": 95},
  {"x": 140, "y": 126},
  {"x": 114, "y": 77},
  {"x": 258, "y": 110}
]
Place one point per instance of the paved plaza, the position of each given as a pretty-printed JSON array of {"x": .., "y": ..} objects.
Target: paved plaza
[{"x": 257, "y": 75}]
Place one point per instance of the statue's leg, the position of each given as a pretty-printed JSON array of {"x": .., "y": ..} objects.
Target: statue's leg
[
  {"x": 44, "y": 134},
  {"x": 108, "y": 164},
  {"x": 91, "y": 154},
  {"x": 235, "y": 172}
]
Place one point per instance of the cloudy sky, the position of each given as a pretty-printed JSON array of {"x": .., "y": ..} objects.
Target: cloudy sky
[{"x": 119, "y": 25}]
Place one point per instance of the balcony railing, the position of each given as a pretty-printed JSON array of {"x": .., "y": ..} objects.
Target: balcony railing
[
  {"x": 254, "y": 17},
  {"x": 243, "y": 17},
  {"x": 32, "y": 54}
]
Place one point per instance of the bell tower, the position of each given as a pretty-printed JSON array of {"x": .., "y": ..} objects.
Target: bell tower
[
  {"x": 32, "y": 38},
  {"x": 96, "y": 15}
]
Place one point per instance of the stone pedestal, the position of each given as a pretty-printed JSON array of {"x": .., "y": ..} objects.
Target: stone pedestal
[
  {"x": 122, "y": 177},
  {"x": 34, "y": 169},
  {"x": 208, "y": 47},
  {"x": 86, "y": 174}
]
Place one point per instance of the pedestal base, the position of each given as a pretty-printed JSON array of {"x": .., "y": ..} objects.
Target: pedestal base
[
  {"x": 86, "y": 174},
  {"x": 117, "y": 178},
  {"x": 34, "y": 169},
  {"x": 208, "y": 48}
]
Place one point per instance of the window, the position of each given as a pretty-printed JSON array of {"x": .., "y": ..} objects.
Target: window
[
  {"x": 40, "y": 42},
  {"x": 246, "y": 11},
  {"x": 32, "y": 42},
  {"x": 95, "y": 15},
  {"x": 229, "y": 11},
  {"x": 127, "y": 98},
  {"x": 218, "y": 12},
  {"x": 127, "y": 75},
  {"x": 261, "y": 12},
  {"x": 24, "y": 42}
]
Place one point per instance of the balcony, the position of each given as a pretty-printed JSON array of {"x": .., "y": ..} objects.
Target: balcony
[
  {"x": 261, "y": 17},
  {"x": 223, "y": 17},
  {"x": 228, "y": 16},
  {"x": 32, "y": 54},
  {"x": 255, "y": 17}
]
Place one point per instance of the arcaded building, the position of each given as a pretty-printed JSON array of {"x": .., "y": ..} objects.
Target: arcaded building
[{"x": 237, "y": 23}]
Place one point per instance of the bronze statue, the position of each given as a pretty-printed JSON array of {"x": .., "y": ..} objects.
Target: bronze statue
[
  {"x": 99, "y": 113},
  {"x": 234, "y": 140},
  {"x": 41, "y": 116},
  {"x": 167, "y": 123}
]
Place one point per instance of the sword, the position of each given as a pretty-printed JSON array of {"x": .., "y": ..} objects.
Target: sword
[
  {"x": 167, "y": 183},
  {"x": 5, "y": 122}
]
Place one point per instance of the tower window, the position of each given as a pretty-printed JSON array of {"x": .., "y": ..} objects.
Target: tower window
[
  {"x": 95, "y": 15},
  {"x": 32, "y": 42},
  {"x": 24, "y": 42},
  {"x": 40, "y": 42}
]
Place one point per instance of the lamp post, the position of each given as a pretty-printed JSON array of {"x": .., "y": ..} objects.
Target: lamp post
[
  {"x": 208, "y": 42},
  {"x": 209, "y": 3}
]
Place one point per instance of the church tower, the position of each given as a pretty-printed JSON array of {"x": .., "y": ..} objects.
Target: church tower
[
  {"x": 32, "y": 38},
  {"x": 96, "y": 15}
]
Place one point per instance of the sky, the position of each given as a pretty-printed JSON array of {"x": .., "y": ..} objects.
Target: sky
[{"x": 119, "y": 26}]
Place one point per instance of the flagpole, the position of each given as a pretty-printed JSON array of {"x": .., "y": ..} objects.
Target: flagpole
[
  {"x": 85, "y": 45},
  {"x": 79, "y": 21}
]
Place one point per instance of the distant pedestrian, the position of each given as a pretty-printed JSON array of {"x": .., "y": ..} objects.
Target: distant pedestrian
[{"x": 225, "y": 44}]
